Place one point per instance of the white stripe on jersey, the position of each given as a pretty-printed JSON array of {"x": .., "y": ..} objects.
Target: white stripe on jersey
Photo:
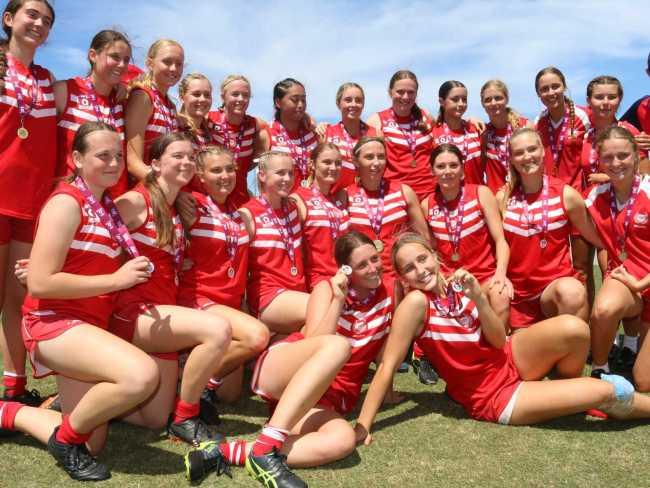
[
  {"x": 365, "y": 340},
  {"x": 451, "y": 337},
  {"x": 96, "y": 248},
  {"x": 531, "y": 231}
]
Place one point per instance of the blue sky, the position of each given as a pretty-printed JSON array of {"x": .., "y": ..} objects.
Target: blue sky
[{"x": 324, "y": 44}]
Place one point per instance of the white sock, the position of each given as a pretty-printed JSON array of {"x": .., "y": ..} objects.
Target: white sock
[
  {"x": 604, "y": 367},
  {"x": 630, "y": 342}
]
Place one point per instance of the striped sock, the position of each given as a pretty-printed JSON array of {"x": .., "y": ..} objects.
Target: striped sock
[
  {"x": 271, "y": 437},
  {"x": 14, "y": 383},
  {"x": 214, "y": 383},
  {"x": 234, "y": 452},
  {"x": 8, "y": 411}
]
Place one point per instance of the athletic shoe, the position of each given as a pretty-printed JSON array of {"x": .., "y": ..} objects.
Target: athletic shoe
[
  {"x": 208, "y": 412},
  {"x": 194, "y": 431},
  {"x": 30, "y": 398},
  {"x": 597, "y": 373},
  {"x": 272, "y": 471},
  {"x": 614, "y": 352},
  {"x": 207, "y": 458},
  {"x": 426, "y": 374},
  {"x": 403, "y": 368},
  {"x": 626, "y": 359},
  {"x": 77, "y": 461}
]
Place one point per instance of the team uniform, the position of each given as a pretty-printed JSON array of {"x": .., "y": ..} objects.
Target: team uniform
[
  {"x": 563, "y": 145},
  {"x": 538, "y": 256},
  {"x": 27, "y": 164},
  {"x": 273, "y": 266},
  {"x": 408, "y": 149},
  {"x": 82, "y": 105},
  {"x": 324, "y": 222},
  {"x": 390, "y": 208},
  {"x": 632, "y": 230},
  {"x": 215, "y": 276},
  {"x": 639, "y": 115},
  {"x": 92, "y": 252},
  {"x": 482, "y": 378},
  {"x": 462, "y": 233},
  {"x": 468, "y": 140},
  {"x": 496, "y": 154},
  {"x": 338, "y": 135},
  {"x": 240, "y": 140},
  {"x": 298, "y": 145},
  {"x": 365, "y": 326}
]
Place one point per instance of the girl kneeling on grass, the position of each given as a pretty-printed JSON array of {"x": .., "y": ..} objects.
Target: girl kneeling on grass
[{"x": 495, "y": 378}]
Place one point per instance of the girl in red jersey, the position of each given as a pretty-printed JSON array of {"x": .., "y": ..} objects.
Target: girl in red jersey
[
  {"x": 450, "y": 128},
  {"x": 407, "y": 132},
  {"x": 94, "y": 97},
  {"x": 349, "y": 314},
  {"x": 495, "y": 143},
  {"x": 538, "y": 212},
  {"x": 322, "y": 212},
  {"x": 289, "y": 133},
  {"x": 147, "y": 315},
  {"x": 620, "y": 209},
  {"x": 75, "y": 266},
  {"x": 237, "y": 131},
  {"x": 218, "y": 264},
  {"x": 350, "y": 100},
  {"x": 27, "y": 165},
  {"x": 494, "y": 378},
  {"x": 466, "y": 225},
  {"x": 276, "y": 290},
  {"x": 149, "y": 111},
  {"x": 195, "y": 92},
  {"x": 378, "y": 207}
]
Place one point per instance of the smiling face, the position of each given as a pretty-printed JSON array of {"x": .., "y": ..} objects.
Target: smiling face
[
  {"x": 366, "y": 267},
  {"x": 293, "y": 104},
  {"x": 604, "y": 102},
  {"x": 167, "y": 65},
  {"x": 550, "y": 90},
  {"x": 110, "y": 63},
  {"x": 277, "y": 177},
  {"x": 371, "y": 162},
  {"x": 417, "y": 266},
  {"x": 454, "y": 104},
  {"x": 31, "y": 24},
  {"x": 236, "y": 96},
  {"x": 494, "y": 101},
  {"x": 448, "y": 169},
  {"x": 527, "y": 154},
  {"x": 351, "y": 103},
  {"x": 403, "y": 95},
  {"x": 176, "y": 165},
  {"x": 197, "y": 98},
  {"x": 327, "y": 167},
  {"x": 102, "y": 163},
  {"x": 219, "y": 175},
  {"x": 618, "y": 159}
]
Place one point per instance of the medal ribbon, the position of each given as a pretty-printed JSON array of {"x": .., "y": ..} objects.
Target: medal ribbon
[
  {"x": 455, "y": 226},
  {"x": 376, "y": 213},
  {"x": 300, "y": 159},
  {"x": 531, "y": 217},
  {"x": 24, "y": 109},
  {"x": 502, "y": 149},
  {"x": 284, "y": 228},
  {"x": 162, "y": 105},
  {"x": 333, "y": 213},
  {"x": 410, "y": 135},
  {"x": 613, "y": 209},
  {"x": 92, "y": 96},
  {"x": 463, "y": 149},
  {"x": 230, "y": 228},
  {"x": 453, "y": 306},
  {"x": 349, "y": 141},
  {"x": 225, "y": 129},
  {"x": 557, "y": 145}
]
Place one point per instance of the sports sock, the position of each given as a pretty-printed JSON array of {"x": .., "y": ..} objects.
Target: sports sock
[
  {"x": 604, "y": 367},
  {"x": 630, "y": 342},
  {"x": 234, "y": 452},
  {"x": 8, "y": 411},
  {"x": 271, "y": 437},
  {"x": 14, "y": 383},
  {"x": 67, "y": 435},
  {"x": 184, "y": 411},
  {"x": 214, "y": 383}
]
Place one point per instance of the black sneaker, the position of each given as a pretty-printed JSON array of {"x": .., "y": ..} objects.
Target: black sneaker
[
  {"x": 207, "y": 458},
  {"x": 614, "y": 352},
  {"x": 194, "y": 431},
  {"x": 272, "y": 471},
  {"x": 426, "y": 374},
  {"x": 30, "y": 398},
  {"x": 626, "y": 359},
  {"x": 597, "y": 373},
  {"x": 77, "y": 461},
  {"x": 209, "y": 413}
]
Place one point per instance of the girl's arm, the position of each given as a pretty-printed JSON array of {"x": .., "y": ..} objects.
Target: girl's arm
[
  {"x": 325, "y": 305},
  {"x": 60, "y": 89},
  {"x": 374, "y": 121},
  {"x": 302, "y": 210},
  {"x": 138, "y": 111},
  {"x": 580, "y": 217}
]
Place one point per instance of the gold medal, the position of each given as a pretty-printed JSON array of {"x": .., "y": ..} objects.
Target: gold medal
[
  {"x": 622, "y": 256},
  {"x": 379, "y": 244},
  {"x": 414, "y": 163},
  {"x": 304, "y": 183},
  {"x": 22, "y": 133},
  {"x": 455, "y": 257}
]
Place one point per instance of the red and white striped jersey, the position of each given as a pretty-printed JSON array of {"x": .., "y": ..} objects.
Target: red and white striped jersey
[
  {"x": 302, "y": 142},
  {"x": 268, "y": 261},
  {"x": 637, "y": 238},
  {"x": 472, "y": 368},
  {"x": 336, "y": 134},
  {"x": 79, "y": 109},
  {"x": 468, "y": 140},
  {"x": 27, "y": 166},
  {"x": 92, "y": 252},
  {"x": 325, "y": 220},
  {"x": 477, "y": 250},
  {"x": 210, "y": 262},
  {"x": 532, "y": 267},
  {"x": 240, "y": 139},
  {"x": 568, "y": 167},
  {"x": 400, "y": 159},
  {"x": 496, "y": 154}
]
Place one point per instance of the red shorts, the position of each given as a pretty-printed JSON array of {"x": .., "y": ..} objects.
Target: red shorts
[
  {"x": 43, "y": 326},
  {"x": 258, "y": 304},
  {"x": 13, "y": 229},
  {"x": 123, "y": 322},
  {"x": 526, "y": 313},
  {"x": 199, "y": 302}
]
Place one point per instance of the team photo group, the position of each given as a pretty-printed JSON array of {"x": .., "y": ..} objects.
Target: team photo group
[{"x": 159, "y": 258}]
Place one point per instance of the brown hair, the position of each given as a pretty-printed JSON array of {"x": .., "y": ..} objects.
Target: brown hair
[
  {"x": 552, "y": 70},
  {"x": 280, "y": 90},
  {"x": 348, "y": 242},
  {"x": 13, "y": 6},
  {"x": 443, "y": 92},
  {"x": 80, "y": 142},
  {"x": 146, "y": 80},
  {"x": 605, "y": 80},
  {"x": 366, "y": 140},
  {"x": 446, "y": 148},
  {"x": 513, "y": 181},
  {"x": 416, "y": 111},
  {"x": 617, "y": 132},
  {"x": 345, "y": 86},
  {"x": 161, "y": 214},
  {"x": 186, "y": 120},
  {"x": 106, "y": 38}
]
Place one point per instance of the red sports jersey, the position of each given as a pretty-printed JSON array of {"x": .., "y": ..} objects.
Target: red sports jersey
[
  {"x": 163, "y": 119},
  {"x": 336, "y": 134},
  {"x": 496, "y": 154},
  {"x": 532, "y": 267},
  {"x": 240, "y": 139},
  {"x": 27, "y": 165},
  {"x": 468, "y": 140},
  {"x": 269, "y": 263},
  {"x": 92, "y": 252},
  {"x": 479, "y": 376},
  {"x": 214, "y": 273},
  {"x": 637, "y": 234},
  {"x": 324, "y": 222},
  {"x": 83, "y": 105},
  {"x": 162, "y": 286},
  {"x": 563, "y": 146},
  {"x": 476, "y": 252},
  {"x": 405, "y": 164},
  {"x": 298, "y": 145},
  {"x": 394, "y": 217}
]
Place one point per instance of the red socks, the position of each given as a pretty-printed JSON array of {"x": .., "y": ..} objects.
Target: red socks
[
  {"x": 214, "y": 383},
  {"x": 271, "y": 437},
  {"x": 67, "y": 435},
  {"x": 8, "y": 411},
  {"x": 234, "y": 452},
  {"x": 184, "y": 411},
  {"x": 14, "y": 383}
]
